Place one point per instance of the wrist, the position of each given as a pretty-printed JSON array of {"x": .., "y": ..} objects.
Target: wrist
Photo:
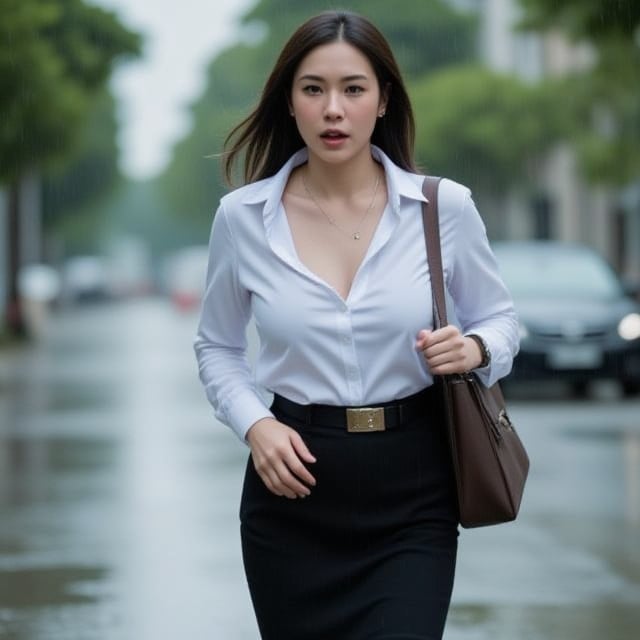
[
  {"x": 251, "y": 430},
  {"x": 485, "y": 354}
]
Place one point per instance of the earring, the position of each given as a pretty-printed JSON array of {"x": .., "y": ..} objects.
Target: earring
[{"x": 381, "y": 114}]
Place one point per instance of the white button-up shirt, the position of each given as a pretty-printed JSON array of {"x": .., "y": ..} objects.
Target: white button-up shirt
[{"x": 315, "y": 346}]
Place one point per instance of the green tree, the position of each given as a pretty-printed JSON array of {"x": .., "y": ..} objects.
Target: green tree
[
  {"x": 487, "y": 130},
  {"x": 483, "y": 128},
  {"x": 73, "y": 188},
  {"x": 603, "y": 100},
  {"x": 90, "y": 168},
  {"x": 55, "y": 57},
  {"x": 598, "y": 21},
  {"x": 425, "y": 36}
]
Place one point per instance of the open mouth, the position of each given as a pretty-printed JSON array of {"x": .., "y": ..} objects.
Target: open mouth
[{"x": 333, "y": 135}]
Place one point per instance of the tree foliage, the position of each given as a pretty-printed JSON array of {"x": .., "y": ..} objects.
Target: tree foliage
[
  {"x": 483, "y": 128},
  {"x": 603, "y": 100},
  {"x": 425, "y": 36},
  {"x": 91, "y": 168},
  {"x": 598, "y": 21},
  {"x": 55, "y": 55}
]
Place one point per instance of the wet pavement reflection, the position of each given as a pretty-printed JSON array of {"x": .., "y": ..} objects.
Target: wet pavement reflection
[{"x": 119, "y": 499}]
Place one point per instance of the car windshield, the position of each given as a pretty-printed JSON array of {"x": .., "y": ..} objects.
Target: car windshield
[{"x": 567, "y": 274}]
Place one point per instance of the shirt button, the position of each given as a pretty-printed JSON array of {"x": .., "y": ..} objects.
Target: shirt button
[{"x": 346, "y": 339}]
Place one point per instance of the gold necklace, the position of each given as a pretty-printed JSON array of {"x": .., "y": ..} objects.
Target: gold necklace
[{"x": 355, "y": 235}]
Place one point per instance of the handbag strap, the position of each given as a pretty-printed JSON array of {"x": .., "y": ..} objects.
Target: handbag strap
[{"x": 431, "y": 226}]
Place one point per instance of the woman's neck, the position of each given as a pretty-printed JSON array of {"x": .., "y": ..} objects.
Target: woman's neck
[{"x": 344, "y": 179}]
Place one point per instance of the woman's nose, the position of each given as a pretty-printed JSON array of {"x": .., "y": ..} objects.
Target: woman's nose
[{"x": 333, "y": 109}]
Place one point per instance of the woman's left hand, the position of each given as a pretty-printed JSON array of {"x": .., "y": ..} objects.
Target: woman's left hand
[{"x": 447, "y": 351}]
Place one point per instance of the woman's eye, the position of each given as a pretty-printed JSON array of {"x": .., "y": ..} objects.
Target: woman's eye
[
  {"x": 355, "y": 89},
  {"x": 311, "y": 89}
]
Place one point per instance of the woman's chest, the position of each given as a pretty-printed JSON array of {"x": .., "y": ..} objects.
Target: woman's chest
[{"x": 389, "y": 293}]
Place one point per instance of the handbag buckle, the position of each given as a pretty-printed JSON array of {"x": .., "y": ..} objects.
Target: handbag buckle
[
  {"x": 364, "y": 419},
  {"x": 504, "y": 421}
]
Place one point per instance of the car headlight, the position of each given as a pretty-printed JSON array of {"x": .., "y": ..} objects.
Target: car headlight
[{"x": 629, "y": 327}]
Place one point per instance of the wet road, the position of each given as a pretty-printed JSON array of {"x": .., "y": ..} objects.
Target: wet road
[{"x": 119, "y": 496}]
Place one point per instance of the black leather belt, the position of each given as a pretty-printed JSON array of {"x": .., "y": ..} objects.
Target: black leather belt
[{"x": 376, "y": 417}]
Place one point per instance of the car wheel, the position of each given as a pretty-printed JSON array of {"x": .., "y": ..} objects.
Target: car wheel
[{"x": 630, "y": 388}]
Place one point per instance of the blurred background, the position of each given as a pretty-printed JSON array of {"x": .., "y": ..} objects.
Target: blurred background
[{"x": 118, "y": 489}]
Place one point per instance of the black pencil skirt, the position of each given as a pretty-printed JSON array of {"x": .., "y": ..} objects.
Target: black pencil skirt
[{"x": 371, "y": 553}]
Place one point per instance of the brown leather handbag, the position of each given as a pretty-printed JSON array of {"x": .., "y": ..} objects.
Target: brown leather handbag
[{"x": 489, "y": 460}]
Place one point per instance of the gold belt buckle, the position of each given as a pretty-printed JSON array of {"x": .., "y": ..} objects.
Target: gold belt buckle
[{"x": 365, "y": 419}]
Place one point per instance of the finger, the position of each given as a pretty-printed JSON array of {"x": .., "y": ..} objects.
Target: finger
[
  {"x": 281, "y": 487},
  {"x": 268, "y": 482},
  {"x": 449, "y": 329},
  {"x": 453, "y": 363},
  {"x": 301, "y": 448},
  {"x": 443, "y": 369},
  {"x": 421, "y": 339},
  {"x": 294, "y": 463},
  {"x": 446, "y": 359},
  {"x": 291, "y": 486},
  {"x": 299, "y": 470},
  {"x": 436, "y": 350},
  {"x": 454, "y": 343},
  {"x": 442, "y": 335},
  {"x": 269, "y": 476},
  {"x": 440, "y": 355}
]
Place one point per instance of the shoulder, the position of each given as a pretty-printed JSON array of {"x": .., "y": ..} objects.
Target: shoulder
[
  {"x": 457, "y": 211},
  {"x": 263, "y": 195},
  {"x": 247, "y": 195},
  {"x": 243, "y": 209},
  {"x": 408, "y": 185},
  {"x": 452, "y": 196},
  {"x": 455, "y": 205}
]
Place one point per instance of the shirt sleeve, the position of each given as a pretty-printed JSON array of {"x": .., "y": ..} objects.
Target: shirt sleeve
[
  {"x": 221, "y": 344},
  {"x": 482, "y": 303}
]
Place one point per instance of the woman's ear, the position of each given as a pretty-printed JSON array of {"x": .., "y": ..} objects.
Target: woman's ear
[{"x": 384, "y": 100}]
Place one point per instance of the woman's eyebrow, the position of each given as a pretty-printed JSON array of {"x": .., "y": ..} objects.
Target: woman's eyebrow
[{"x": 350, "y": 78}]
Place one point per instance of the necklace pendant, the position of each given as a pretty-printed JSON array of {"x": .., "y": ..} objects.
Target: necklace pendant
[{"x": 356, "y": 235}]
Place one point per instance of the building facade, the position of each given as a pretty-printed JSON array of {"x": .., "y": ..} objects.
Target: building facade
[{"x": 568, "y": 208}]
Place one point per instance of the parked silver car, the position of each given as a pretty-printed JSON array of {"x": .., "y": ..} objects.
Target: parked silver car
[{"x": 577, "y": 321}]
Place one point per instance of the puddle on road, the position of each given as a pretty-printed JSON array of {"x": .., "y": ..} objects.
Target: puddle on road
[
  {"x": 58, "y": 603},
  {"x": 627, "y": 438},
  {"x": 604, "y": 621},
  {"x": 39, "y": 470},
  {"x": 80, "y": 396},
  {"x": 45, "y": 586},
  {"x": 615, "y": 542},
  {"x": 60, "y": 453},
  {"x": 55, "y": 396}
]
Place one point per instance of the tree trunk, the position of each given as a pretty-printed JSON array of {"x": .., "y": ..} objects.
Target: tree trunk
[{"x": 15, "y": 317}]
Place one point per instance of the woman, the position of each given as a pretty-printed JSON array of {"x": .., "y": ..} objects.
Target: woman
[{"x": 348, "y": 518}]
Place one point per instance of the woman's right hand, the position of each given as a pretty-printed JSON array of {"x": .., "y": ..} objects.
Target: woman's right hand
[{"x": 279, "y": 454}]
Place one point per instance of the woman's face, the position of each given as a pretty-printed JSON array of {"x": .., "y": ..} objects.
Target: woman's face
[{"x": 336, "y": 99}]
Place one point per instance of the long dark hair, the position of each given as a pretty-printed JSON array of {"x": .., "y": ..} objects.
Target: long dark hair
[{"x": 269, "y": 135}]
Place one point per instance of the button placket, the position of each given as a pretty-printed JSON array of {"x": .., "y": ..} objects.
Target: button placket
[{"x": 353, "y": 380}]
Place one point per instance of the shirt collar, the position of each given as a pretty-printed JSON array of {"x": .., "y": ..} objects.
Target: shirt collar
[{"x": 400, "y": 183}]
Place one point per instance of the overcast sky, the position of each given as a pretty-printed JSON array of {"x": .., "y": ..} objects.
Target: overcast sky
[{"x": 155, "y": 91}]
